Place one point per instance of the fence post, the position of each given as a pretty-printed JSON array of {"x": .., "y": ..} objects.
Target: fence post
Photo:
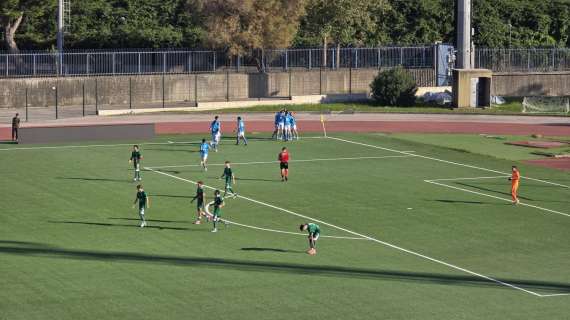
[
  {"x": 34, "y": 66},
  {"x": 87, "y": 62},
  {"x": 96, "y": 96},
  {"x": 286, "y": 59},
  {"x": 139, "y": 63},
  {"x": 333, "y": 56},
  {"x": 290, "y": 90},
  {"x": 163, "y": 91},
  {"x": 528, "y": 61},
  {"x": 321, "y": 80},
  {"x": 130, "y": 93},
  {"x": 310, "y": 54},
  {"x": 196, "y": 89},
  {"x": 553, "y": 59},
  {"x": 402, "y": 57},
  {"x": 190, "y": 62},
  {"x": 56, "y": 104},
  {"x": 83, "y": 101},
  {"x": 7, "y": 73},
  {"x": 238, "y": 62},
  {"x": 113, "y": 61},
  {"x": 228, "y": 85},
  {"x": 27, "y": 118},
  {"x": 356, "y": 58},
  {"x": 214, "y": 61},
  {"x": 378, "y": 62},
  {"x": 350, "y": 73},
  {"x": 163, "y": 63}
]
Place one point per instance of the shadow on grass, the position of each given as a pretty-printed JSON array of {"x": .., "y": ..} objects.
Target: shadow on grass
[
  {"x": 169, "y": 196},
  {"x": 254, "y": 179},
  {"x": 271, "y": 250},
  {"x": 460, "y": 201},
  {"x": 8, "y": 142},
  {"x": 490, "y": 190},
  {"x": 149, "y": 220},
  {"x": 279, "y": 267},
  {"x": 102, "y": 224},
  {"x": 95, "y": 179}
]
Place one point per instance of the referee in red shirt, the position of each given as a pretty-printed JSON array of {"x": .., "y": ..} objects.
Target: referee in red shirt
[{"x": 284, "y": 164}]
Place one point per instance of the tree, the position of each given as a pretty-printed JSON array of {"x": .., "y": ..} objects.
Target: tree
[
  {"x": 239, "y": 26},
  {"x": 16, "y": 13}
]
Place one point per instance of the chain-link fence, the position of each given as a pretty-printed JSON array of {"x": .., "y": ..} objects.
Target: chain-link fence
[
  {"x": 134, "y": 62},
  {"x": 523, "y": 60}
]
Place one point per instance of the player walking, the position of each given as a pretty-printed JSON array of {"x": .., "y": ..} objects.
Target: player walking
[
  {"x": 15, "y": 127},
  {"x": 144, "y": 202},
  {"x": 135, "y": 159},
  {"x": 284, "y": 164},
  {"x": 314, "y": 233},
  {"x": 230, "y": 179},
  {"x": 200, "y": 199},
  {"x": 204, "y": 149},
  {"x": 218, "y": 205},
  {"x": 515, "y": 178},
  {"x": 216, "y": 131},
  {"x": 240, "y": 131}
]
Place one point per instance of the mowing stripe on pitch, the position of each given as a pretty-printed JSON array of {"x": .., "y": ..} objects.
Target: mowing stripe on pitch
[
  {"x": 473, "y": 178},
  {"x": 366, "y": 237},
  {"x": 445, "y": 161},
  {"x": 268, "y": 162},
  {"x": 496, "y": 197}
]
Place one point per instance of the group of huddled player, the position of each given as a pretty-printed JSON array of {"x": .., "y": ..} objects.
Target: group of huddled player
[
  {"x": 285, "y": 126},
  {"x": 218, "y": 203}
]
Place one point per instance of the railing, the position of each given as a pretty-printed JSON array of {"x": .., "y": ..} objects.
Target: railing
[
  {"x": 523, "y": 60},
  {"x": 132, "y": 62}
]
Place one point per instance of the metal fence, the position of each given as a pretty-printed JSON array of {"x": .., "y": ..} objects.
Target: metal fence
[
  {"x": 523, "y": 60},
  {"x": 132, "y": 62}
]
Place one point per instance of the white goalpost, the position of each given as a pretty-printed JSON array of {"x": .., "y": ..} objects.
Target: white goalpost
[{"x": 544, "y": 104}]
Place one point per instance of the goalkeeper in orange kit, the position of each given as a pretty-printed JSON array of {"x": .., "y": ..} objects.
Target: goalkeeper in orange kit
[{"x": 515, "y": 178}]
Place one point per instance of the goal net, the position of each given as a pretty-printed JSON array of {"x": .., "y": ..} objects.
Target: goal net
[{"x": 546, "y": 105}]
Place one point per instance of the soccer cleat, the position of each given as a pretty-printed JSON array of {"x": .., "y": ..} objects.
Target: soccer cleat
[
  {"x": 215, "y": 230},
  {"x": 143, "y": 224},
  {"x": 197, "y": 222}
]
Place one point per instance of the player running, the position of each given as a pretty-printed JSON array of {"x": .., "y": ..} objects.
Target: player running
[
  {"x": 144, "y": 202},
  {"x": 200, "y": 197},
  {"x": 204, "y": 149},
  {"x": 216, "y": 131},
  {"x": 135, "y": 159},
  {"x": 515, "y": 178},
  {"x": 218, "y": 205},
  {"x": 284, "y": 164},
  {"x": 314, "y": 233},
  {"x": 230, "y": 179},
  {"x": 240, "y": 131}
]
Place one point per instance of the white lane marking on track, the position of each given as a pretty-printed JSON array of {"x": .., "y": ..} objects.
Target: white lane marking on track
[
  {"x": 496, "y": 197},
  {"x": 268, "y": 162},
  {"x": 445, "y": 161},
  {"x": 367, "y": 237},
  {"x": 274, "y": 230}
]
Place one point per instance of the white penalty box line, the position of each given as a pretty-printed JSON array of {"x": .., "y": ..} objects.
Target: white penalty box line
[
  {"x": 393, "y": 246},
  {"x": 270, "y": 162}
]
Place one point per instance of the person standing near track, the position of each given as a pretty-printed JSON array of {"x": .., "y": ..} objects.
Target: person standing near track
[
  {"x": 216, "y": 131},
  {"x": 314, "y": 233},
  {"x": 15, "y": 127},
  {"x": 515, "y": 178},
  {"x": 284, "y": 164},
  {"x": 135, "y": 159}
]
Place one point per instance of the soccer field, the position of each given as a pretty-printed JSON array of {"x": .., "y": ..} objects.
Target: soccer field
[{"x": 409, "y": 231}]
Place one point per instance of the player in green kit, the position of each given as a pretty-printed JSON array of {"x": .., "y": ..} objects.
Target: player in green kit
[
  {"x": 135, "y": 159},
  {"x": 144, "y": 202},
  {"x": 200, "y": 197},
  {"x": 218, "y": 205},
  {"x": 314, "y": 233},
  {"x": 230, "y": 179}
]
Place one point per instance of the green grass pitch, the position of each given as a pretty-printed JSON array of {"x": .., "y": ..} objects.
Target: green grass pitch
[{"x": 441, "y": 240}]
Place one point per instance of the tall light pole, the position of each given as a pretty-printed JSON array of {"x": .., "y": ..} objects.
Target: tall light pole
[{"x": 464, "y": 34}]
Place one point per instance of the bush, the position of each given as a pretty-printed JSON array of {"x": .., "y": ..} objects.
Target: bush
[{"x": 394, "y": 87}]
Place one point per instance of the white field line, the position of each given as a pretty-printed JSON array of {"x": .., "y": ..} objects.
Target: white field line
[
  {"x": 110, "y": 145},
  {"x": 277, "y": 231},
  {"x": 554, "y": 295},
  {"x": 267, "y": 162},
  {"x": 369, "y": 238},
  {"x": 496, "y": 197},
  {"x": 445, "y": 161},
  {"x": 474, "y": 178}
]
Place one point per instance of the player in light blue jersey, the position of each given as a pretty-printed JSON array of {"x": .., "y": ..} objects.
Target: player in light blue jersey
[
  {"x": 281, "y": 124},
  {"x": 294, "y": 132},
  {"x": 276, "y": 122},
  {"x": 204, "y": 149},
  {"x": 216, "y": 131},
  {"x": 287, "y": 130},
  {"x": 240, "y": 131}
]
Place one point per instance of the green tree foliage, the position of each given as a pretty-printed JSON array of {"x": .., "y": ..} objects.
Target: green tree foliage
[
  {"x": 394, "y": 87},
  {"x": 25, "y": 21}
]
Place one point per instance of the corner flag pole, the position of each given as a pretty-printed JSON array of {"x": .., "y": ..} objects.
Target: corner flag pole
[{"x": 323, "y": 123}]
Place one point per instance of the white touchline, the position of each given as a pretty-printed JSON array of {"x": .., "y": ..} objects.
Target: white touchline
[
  {"x": 473, "y": 178},
  {"x": 366, "y": 237},
  {"x": 267, "y": 162},
  {"x": 499, "y": 198},
  {"x": 273, "y": 230},
  {"x": 445, "y": 161}
]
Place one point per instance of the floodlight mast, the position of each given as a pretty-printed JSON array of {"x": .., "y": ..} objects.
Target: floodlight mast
[
  {"x": 464, "y": 49},
  {"x": 63, "y": 17}
]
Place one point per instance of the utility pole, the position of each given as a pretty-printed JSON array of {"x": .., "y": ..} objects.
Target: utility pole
[
  {"x": 464, "y": 50},
  {"x": 63, "y": 17}
]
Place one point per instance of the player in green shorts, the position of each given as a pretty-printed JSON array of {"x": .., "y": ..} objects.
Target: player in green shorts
[
  {"x": 230, "y": 179},
  {"x": 200, "y": 198},
  {"x": 314, "y": 233},
  {"x": 144, "y": 202},
  {"x": 218, "y": 205},
  {"x": 135, "y": 159}
]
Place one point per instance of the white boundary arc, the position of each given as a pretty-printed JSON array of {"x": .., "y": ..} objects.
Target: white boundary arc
[{"x": 371, "y": 239}]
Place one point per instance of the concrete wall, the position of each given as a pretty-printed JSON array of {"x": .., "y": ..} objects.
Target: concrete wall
[
  {"x": 149, "y": 91},
  {"x": 531, "y": 84}
]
